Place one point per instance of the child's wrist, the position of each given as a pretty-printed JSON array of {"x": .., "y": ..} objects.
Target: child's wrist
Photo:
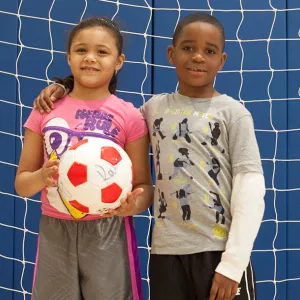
[
  {"x": 66, "y": 91},
  {"x": 38, "y": 178}
]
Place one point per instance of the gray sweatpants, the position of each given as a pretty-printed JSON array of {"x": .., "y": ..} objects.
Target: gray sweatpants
[{"x": 87, "y": 260}]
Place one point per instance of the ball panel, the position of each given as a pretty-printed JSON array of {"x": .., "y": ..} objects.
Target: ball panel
[
  {"x": 111, "y": 193},
  {"x": 123, "y": 176},
  {"x": 77, "y": 145},
  {"x": 77, "y": 174},
  {"x": 111, "y": 155},
  {"x": 65, "y": 162},
  {"x": 79, "y": 206}
]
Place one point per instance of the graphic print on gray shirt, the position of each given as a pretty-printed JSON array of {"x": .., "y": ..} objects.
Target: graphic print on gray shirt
[{"x": 198, "y": 146}]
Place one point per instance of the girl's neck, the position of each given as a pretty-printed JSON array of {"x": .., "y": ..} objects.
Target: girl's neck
[{"x": 85, "y": 93}]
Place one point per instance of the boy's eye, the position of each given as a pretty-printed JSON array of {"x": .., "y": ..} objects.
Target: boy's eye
[
  {"x": 210, "y": 51},
  {"x": 188, "y": 48}
]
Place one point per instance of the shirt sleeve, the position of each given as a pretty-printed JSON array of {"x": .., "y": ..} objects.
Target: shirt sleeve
[
  {"x": 136, "y": 126},
  {"x": 247, "y": 209},
  {"x": 143, "y": 110},
  {"x": 34, "y": 121},
  {"x": 243, "y": 148}
]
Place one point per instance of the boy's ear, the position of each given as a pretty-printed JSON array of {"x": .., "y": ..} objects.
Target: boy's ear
[
  {"x": 223, "y": 60},
  {"x": 69, "y": 59},
  {"x": 171, "y": 53}
]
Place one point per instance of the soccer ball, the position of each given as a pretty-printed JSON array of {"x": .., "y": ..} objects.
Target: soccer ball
[{"x": 94, "y": 175}]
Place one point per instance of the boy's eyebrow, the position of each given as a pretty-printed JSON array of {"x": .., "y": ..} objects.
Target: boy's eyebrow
[
  {"x": 213, "y": 45},
  {"x": 187, "y": 41},
  {"x": 192, "y": 41}
]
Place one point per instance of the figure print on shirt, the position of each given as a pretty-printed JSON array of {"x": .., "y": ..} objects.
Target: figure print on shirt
[
  {"x": 218, "y": 207},
  {"x": 59, "y": 135},
  {"x": 181, "y": 163},
  {"x": 182, "y": 196},
  {"x": 214, "y": 136},
  {"x": 162, "y": 204},
  {"x": 183, "y": 131},
  {"x": 156, "y": 128},
  {"x": 157, "y": 153},
  {"x": 215, "y": 169}
]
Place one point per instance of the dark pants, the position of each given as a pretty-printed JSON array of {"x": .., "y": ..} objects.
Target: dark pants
[{"x": 189, "y": 277}]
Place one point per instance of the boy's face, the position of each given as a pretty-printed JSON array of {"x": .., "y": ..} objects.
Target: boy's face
[{"x": 198, "y": 56}]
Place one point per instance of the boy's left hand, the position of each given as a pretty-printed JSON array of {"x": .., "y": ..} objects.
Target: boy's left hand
[
  {"x": 128, "y": 205},
  {"x": 223, "y": 288}
]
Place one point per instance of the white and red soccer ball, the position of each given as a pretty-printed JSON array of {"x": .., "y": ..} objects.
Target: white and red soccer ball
[{"x": 94, "y": 175}]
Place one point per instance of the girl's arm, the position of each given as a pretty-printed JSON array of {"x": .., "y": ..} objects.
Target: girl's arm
[
  {"x": 31, "y": 176},
  {"x": 138, "y": 151},
  {"x": 141, "y": 196}
]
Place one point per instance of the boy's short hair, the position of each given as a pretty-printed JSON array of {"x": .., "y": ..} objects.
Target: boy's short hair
[{"x": 198, "y": 17}]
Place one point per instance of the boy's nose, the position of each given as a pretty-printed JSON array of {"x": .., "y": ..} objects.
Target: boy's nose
[{"x": 198, "y": 58}]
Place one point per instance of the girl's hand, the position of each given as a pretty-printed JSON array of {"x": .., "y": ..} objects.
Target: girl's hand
[
  {"x": 50, "y": 172},
  {"x": 127, "y": 207}
]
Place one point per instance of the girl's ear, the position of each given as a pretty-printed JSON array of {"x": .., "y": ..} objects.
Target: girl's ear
[{"x": 120, "y": 62}]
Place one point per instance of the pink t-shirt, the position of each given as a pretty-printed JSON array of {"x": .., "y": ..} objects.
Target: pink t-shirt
[{"x": 73, "y": 119}]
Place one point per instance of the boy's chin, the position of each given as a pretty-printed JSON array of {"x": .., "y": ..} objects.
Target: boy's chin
[{"x": 197, "y": 83}]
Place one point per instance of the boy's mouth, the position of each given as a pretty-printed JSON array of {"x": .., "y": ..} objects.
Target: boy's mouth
[{"x": 197, "y": 70}]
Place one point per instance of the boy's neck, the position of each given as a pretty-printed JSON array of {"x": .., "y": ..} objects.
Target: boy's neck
[
  {"x": 84, "y": 93},
  {"x": 198, "y": 92}
]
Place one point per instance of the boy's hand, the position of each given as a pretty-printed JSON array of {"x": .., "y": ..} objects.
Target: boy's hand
[
  {"x": 223, "y": 288},
  {"x": 50, "y": 172},
  {"x": 127, "y": 207},
  {"x": 44, "y": 101}
]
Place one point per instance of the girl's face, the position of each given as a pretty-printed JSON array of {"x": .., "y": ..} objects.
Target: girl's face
[{"x": 93, "y": 57}]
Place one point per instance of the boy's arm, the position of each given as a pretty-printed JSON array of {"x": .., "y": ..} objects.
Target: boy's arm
[
  {"x": 247, "y": 209},
  {"x": 44, "y": 101}
]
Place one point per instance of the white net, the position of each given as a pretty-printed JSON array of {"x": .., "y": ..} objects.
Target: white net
[{"x": 262, "y": 71}]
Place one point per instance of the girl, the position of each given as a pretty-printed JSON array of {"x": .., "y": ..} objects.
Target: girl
[{"x": 75, "y": 255}]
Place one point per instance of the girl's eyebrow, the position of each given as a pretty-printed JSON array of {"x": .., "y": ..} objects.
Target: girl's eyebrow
[{"x": 97, "y": 45}]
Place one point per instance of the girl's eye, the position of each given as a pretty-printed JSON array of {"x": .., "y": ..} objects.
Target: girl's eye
[
  {"x": 80, "y": 50},
  {"x": 102, "y": 52}
]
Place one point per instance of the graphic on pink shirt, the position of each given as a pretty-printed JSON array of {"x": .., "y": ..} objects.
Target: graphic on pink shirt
[{"x": 94, "y": 123}]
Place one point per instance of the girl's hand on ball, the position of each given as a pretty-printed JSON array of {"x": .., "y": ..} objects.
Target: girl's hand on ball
[
  {"x": 50, "y": 172},
  {"x": 128, "y": 205}
]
